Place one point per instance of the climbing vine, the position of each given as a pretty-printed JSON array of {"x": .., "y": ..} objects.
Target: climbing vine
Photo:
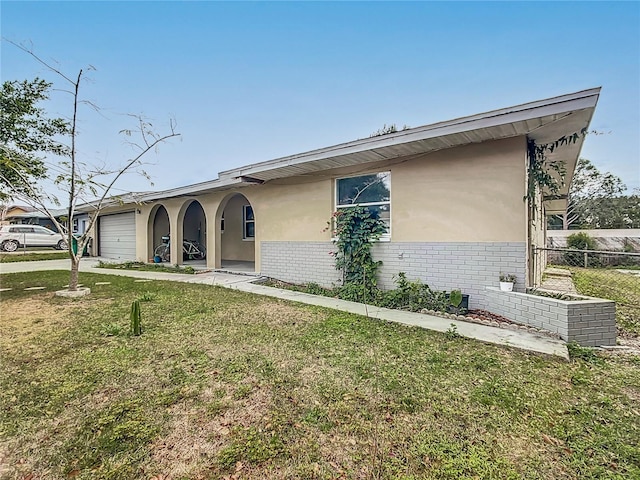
[
  {"x": 547, "y": 175},
  {"x": 356, "y": 228}
]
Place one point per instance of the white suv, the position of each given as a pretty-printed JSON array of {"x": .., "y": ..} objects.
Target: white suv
[{"x": 14, "y": 236}]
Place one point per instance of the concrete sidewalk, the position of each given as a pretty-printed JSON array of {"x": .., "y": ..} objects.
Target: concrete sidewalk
[
  {"x": 512, "y": 338},
  {"x": 90, "y": 265}
]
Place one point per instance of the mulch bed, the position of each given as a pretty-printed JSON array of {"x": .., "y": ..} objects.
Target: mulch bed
[{"x": 486, "y": 315}]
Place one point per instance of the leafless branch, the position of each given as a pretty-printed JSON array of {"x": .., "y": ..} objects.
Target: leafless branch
[{"x": 29, "y": 51}]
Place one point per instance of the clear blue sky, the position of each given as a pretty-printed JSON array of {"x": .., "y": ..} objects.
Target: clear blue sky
[{"x": 249, "y": 82}]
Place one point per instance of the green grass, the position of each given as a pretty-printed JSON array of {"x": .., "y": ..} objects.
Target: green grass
[
  {"x": 148, "y": 267},
  {"x": 224, "y": 383},
  {"x": 622, "y": 288},
  {"x": 32, "y": 256}
]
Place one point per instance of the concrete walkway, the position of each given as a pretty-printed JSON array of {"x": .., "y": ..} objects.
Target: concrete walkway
[
  {"x": 517, "y": 339},
  {"x": 558, "y": 280}
]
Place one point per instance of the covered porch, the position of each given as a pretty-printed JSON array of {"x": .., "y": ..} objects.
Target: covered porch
[{"x": 204, "y": 234}]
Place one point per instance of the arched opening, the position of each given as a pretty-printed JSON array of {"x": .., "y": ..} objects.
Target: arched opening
[
  {"x": 194, "y": 234},
  {"x": 236, "y": 245},
  {"x": 158, "y": 227}
]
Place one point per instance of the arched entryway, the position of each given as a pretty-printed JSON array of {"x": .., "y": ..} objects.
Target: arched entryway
[
  {"x": 158, "y": 227},
  {"x": 236, "y": 245},
  {"x": 194, "y": 234}
]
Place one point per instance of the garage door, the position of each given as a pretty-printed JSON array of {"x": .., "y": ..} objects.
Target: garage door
[{"x": 117, "y": 236}]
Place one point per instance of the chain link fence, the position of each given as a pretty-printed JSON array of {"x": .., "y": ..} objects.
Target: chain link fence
[{"x": 597, "y": 273}]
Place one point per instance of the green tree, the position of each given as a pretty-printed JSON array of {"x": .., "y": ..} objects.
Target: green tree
[
  {"x": 631, "y": 209},
  {"x": 596, "y": 200},
  {"x": 26, "y": 134}
]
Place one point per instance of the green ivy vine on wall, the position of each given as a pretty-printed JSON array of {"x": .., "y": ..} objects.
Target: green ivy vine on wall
[
  {"x": 546, "y": 175},
  {"x": 356, "y": 229}
]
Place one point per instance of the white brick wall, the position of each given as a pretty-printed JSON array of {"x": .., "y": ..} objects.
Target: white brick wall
[
  {"x": 300, "y": 262},
  {"x": 471, "y": 267}
]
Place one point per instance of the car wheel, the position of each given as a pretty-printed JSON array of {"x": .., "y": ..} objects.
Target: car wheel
[
  {"x": 62, "y": 245},
  {"x": 10, "y": 246}
]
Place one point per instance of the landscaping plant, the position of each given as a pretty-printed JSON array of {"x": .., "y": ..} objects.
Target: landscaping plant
[
  {"x": 136, "y": 317},
  {"x": 580, "y": 241},
  {"x": 356, "y": 228}
]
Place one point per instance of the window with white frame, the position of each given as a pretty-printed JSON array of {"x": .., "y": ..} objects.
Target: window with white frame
[
  {"x": 248, "y": 223},
  {"x": 372, "y": 191}
]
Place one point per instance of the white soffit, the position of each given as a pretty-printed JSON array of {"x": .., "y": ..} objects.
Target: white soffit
[{"x": 543, "y": 120}]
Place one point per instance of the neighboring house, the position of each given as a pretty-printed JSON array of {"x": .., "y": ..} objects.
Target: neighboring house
[
  {"x": 9, "y": 211},
  {"x": 452, "y": 194},
  {"x": 31, "y": 216},
  {"x": 80, "y": 223},
  {"x": 35, "y": 217}
]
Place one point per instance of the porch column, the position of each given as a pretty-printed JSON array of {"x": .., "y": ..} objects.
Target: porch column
[
  {"x": 175, "y": 247},
  {"x": 213, "y": 233}
]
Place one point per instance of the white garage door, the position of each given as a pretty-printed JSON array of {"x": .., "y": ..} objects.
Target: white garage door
[{"x": 118, "y": 236}]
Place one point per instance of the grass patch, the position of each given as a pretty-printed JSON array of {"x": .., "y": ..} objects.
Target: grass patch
[
  {"x": 223, "y": 383},
  {"x": 147, "y": 267},
  {"x": 32, "y": 256},
  {"x": 622, "y": 288}
]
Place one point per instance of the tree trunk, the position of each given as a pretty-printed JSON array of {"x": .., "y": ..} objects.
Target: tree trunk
[{"x": 73, "y": 274}]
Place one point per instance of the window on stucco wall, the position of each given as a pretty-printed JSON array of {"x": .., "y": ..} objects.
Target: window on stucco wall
[
  {"x": 372, "y": 191},
  {"x": 248, "y": 223}
]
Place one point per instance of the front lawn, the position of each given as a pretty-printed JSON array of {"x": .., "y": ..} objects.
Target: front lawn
[
  {"x": 227, "y": 384},
  {"x": 32, "y": 256},
  {"x": 622, "y": 288}
]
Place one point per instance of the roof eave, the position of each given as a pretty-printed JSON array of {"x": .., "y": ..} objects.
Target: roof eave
[{"x": 542, "y": 120}]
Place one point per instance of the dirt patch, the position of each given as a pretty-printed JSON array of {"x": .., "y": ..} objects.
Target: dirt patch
[
  {"x": 198, "y": 430},
  {"x": 4, "y": 462},
  {"x": 24, "y": 321},
  {"x": 271, "y": 313}
]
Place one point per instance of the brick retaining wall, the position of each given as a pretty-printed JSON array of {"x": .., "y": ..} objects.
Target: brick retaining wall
[{"x": 590, "y": 322}]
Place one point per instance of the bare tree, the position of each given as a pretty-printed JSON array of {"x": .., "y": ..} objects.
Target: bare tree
[{"x": 83, "y": 183}]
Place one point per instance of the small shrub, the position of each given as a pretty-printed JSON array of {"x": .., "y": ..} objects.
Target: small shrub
[
  {"x": 359, "y": 292},
  {"x": 111, "y": 330},
  {"x": 452, "y": 332},
  {"x": 556, "y": 295},
  {"x": 580, "y": 241},
  {"x": 413, "y": 295},
  {"x": 147, "y": 297},
  {"x": 587, "y": 354},
  {"x": 315, "y": 289}
]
